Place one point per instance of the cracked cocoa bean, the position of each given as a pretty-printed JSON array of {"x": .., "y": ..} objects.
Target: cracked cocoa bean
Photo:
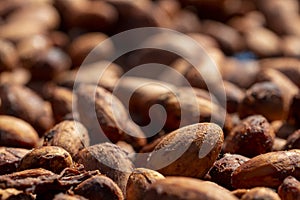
[
  {"x": 10, "y": 158},
  {"x": 48, "y": 157}
]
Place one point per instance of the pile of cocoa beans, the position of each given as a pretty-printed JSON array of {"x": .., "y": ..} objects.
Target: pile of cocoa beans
[{"x": 69, "y": 136}]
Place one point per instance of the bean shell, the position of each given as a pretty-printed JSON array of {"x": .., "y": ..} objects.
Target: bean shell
[
  {"x": 267, "y": 170},
  {"x": 139, "y": 180},
  {"x": 109, "y": 159},
  {"x": 254, "y": 131},
  {"x": 194, "y": 147},
  {"x": 10, "y": 158},
  {"x": 289, "y": 189},
  {"x": 99, "y": 187},
  {"x": 70, "y": 135}
]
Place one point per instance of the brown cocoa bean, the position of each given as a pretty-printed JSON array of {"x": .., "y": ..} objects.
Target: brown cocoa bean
[
  {"x": 279, "y": 15},
  {"x": 111, "y": 115},
  {"x": 289, "y": 189},
  {"x": 288, "y": 66},
  {"x": 254, "y": 131},
  {"x": 19, "y": 76},
  {"x": 178, "y": 188},
  {"x": 195, "y": 147},
  {"x": 43, "y": 13},
  {"x": 45, "y": 66},
  {"x": 8, "y": 56},
  {"x": 15, "y": 132},
  {"x": 61, "y": 100},
  {"x": 223, "y": 168},
  {"x": 22, "y": 102},
  {"x": 110, "y": 160},
  {"x": 267, "y": 170},
  {"x": 228, "y": 38},
  {"x": 81, "y": 46},
  {"x": 266, "y": 45},
  {"x": 99, "y": 187},
  {"x": 144, "y": 92},
  {"x": 16, "y": 31},
  {"x": 139, "y": 181},
  {"x": 263, "y": 98},
  {"x": 49, "y": 157},
  {"x": 184, "y": 107},
  {"x": 232, "y": 69},
  {"x": 287, "y": 88},
  {"x": 70, "y": 135},
  {"x": 31, "y": 47}
]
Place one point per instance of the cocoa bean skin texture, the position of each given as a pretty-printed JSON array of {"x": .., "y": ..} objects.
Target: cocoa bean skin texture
[
  {"x": 139, "y": 180},
  {"x": 10, "y": 158},
  {"x": 263, "y": 98},
  {"x": 99, "y": 187},
  {"x": 200, "y": 145},
  {"x": 113, "y": 120},
  {"x": 223, "y": 168},
  {"x": 109, "y": 159},
  {"x": 289, "y": 189},
  {"x": 70, "y": 135},
  {"x": 254, "y": 131},
  {"x": 49, "y": 157},
  {"x": 267, "y": 170},
  {"x": 182, "y": 188}
]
